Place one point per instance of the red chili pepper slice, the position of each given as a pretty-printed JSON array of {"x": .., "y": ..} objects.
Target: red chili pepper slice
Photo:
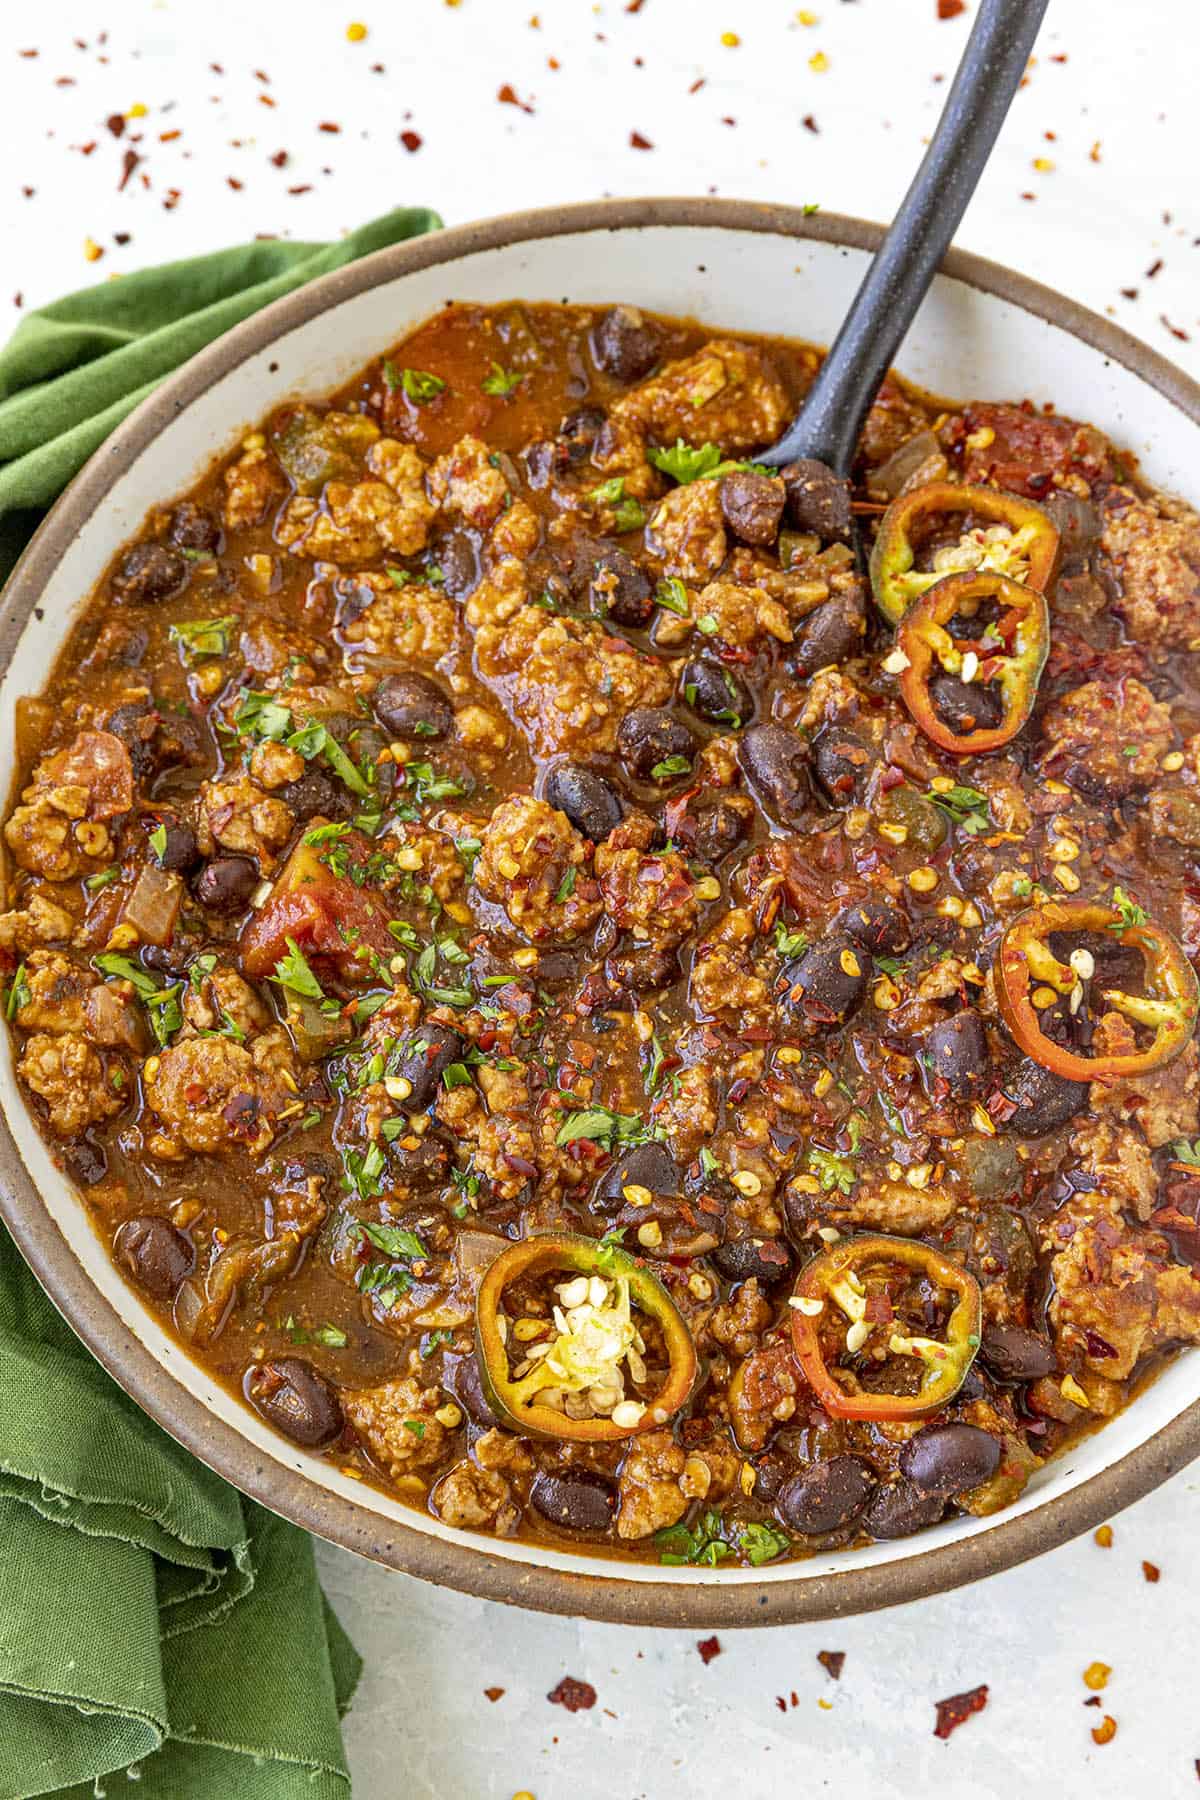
[
  {"x": 1026, "y": 963},
  {"x": 1027, "y": 554},
  {"x": 1007, "y": 657},
  {"x": 832, "y": 1310},
  {"x": 515, "y": 1374}
]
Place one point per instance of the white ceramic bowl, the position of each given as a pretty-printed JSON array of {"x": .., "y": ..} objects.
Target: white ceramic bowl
[{"x": 982, "y": 332}]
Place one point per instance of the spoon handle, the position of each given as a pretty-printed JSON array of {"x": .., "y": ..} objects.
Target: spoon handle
[{"x": 885, "y": 305}]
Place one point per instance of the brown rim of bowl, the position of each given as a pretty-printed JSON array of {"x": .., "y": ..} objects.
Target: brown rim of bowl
[{"x": 468, "y": 1565}]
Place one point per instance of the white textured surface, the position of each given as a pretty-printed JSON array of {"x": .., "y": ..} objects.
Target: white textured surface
[{"x": 423, "y": 1727}]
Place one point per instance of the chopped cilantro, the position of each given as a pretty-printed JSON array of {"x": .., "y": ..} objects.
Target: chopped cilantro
[
  {"x": 684, "y": 464},
  {"x": 1187, "y": 1153},
  {"x": 1131, "y": 913},
  {"x": 399, "y": 577},
  {"x": 18, "y": 993},
  {"x": 760, "y": 1543},
  {"x": 418, "y": 384},
  {"x": 789, "y": 943},
  {"x": 707, "y": 625},
  {"x": 433, "y": 1340},
  {"x": 416, "y": 1426},
  {"x": 158, "y": 841},
  {"x": 566, "y": 886},
  {"x": 395, "y": 1240},
  {"x": 831, "y": 1171},
  {"x": 332, "y": 1336},
  {"x": 105, "y": 877},
  {"x": 600, "y": 1125},
  {"x": 704, "y": 1546},
  {"x": 293, "y": 973},
  {"x": 965, "y": 805},
  {"x": 456, "y": 1075},
  {"x": 627, "y": 512},
  {"x": 671, "y": 765},
  {"x": 501, "y": 382},
  {"x": 672, "y": 595}
]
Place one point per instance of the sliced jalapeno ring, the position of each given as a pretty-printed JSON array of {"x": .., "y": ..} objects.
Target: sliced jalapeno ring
[
  {"x": 1028, "y": 554},
  {"x": 1026, "y": 962},
  {"x": 1007, "y": 657},
  {"x": 590, "y": 1346},
  {"x": 832, "y": 1300}
]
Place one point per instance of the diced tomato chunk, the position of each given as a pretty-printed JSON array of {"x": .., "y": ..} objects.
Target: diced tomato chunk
[{"x": 324, "y": 913}]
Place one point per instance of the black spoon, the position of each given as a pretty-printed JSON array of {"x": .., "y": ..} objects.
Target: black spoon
[{"x": 894, "y": 286}]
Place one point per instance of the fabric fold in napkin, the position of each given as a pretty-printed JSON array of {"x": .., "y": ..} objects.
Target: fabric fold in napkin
[{"x": 160, "y": 1636}]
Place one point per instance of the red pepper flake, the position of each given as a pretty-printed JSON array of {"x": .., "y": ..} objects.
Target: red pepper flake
[
  {"x": 708, "y": 1647},
  {"x": 576, "y": 1696},
  {"x": 1176, "y": 331},
  {"x": 781, "y": 1703},
  {"x": 1103, "y": 1535},
  {"x": 1060, "y": 58},
  {"x": 1129, "y": 293},
  {"x": 950, "y": 9},
  {"x": 1151, "y": 1571},
  {"x": 495, "y": 1693},
  {"x": 129, "y": 163},
  {"x": 168, "y": 137},
  {"x": 833, "y": 1662},
  {"x": 267, "y": 100},
  {"x": 122, "y": 238},
  {"x": 810, "y": 124},
  {"x": 64, "y": 81},
  {"x": 412, "y": 140},
  {"x": 28, "y": 52},
  {"x": 958, "y": 1708},
  {"x": 171, "y": 199},
  {"x": 697, "y": 85},
  {"x": 638, "y": 142},
  {"x": 635, "y": 6},
  {"x": 1155, "y": 266},
  {"x": 1105, "y": 1731},
  {"x": 259, "y": 75},
  {"x": 329, "y": 126},
  {"x": 305, "y": 187},
  {"x": 18, "y": 299},
  {"x": 233, "y": 182},
  {"x": 116, "y": 124},
  {"x": 507, "y": 96},
  {"x": 29, "y": 192}
]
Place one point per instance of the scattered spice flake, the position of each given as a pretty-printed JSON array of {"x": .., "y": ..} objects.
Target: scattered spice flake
[
  {"x": 576, "y": 1696},
  {"x": 950, "y": 9},
  {"x": 122, "y": 238},
  {"x": 1105, "y": 1731},
  {"x": 305, "y": 187},
  {"x": 1151, "y": 1571},
  {"x": 495, "y": 1693},
  {"x": 18, "y": 299},
  {"x": 818, "y": 62},
  {"x": 1127, "y": 294},
  {"x": 137, "y": 111},
  {"x": 958, "y": 1708},
  {"x": 1103, "y": 1535},
  {"x": 279, "y": 159},
  {"x": 1096, "y": 1675},
  {"x": 1060, "y": 58},
  {"x": 1176, "y": 331},
  {"x": 92, "y": 250},
  {"x": 638, "y": 142},
  {"x": 356, "y": 33},
  {"x": 508, "y": 97},
  {"x": 730, "y": 39},
  {"x": 234, "y": 183},
  {"x": 781, "y": 1703},
  {"x": 168, "y": 137},
  {"x": 1044, "y": 165},
  {"x": 807, "y": 18},
  {"x": 329, "y": 126},
  {"x": 412, "y": 140},
  {"x": 171, "y": 199},
  {"x": 29, "y": 192},
  {"x": 1154, "y": 268},
  {"x": 708, "y": 1647},
  {"x": 635, "y": 6},
  {"x": 833, "y": 1662},
  {"x": 1094, "y": 152},
  {"x": 697, "y": 85},
  {"x": 129, "y": 163},
  {"x": 116, "y": 124},
  {"x": 28, "y": 52},
  {"x": 810, "y": 124},
  {"x": 266, "y": 100}
]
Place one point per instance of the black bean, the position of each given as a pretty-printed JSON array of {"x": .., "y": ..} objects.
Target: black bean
[
  {"x": 842, "y": 762},
  {"x": 828, "y": 635},
  {"x": 577, "y": 1498},
  {"x": 621, "y": 590},
  {"x": 544, "y": 459},
  {"x": 457, "y": 561},
  {"x": 179, "y": 851},
  {"x": 461, "y": 1378},
  {"x": 825, "y": 984},
  {"x": 767, "y": 1258},
  {"x": 412, "y": 705},
  {"x": 87, "y": 1163},
  {"x": 313, "y": 794},
  {"x": 192, "y": 528},
  {"x": 949, "y": 1459},
  {"x": 715, "y": 692},
  {"x": 225, "y": 885},
  {"x": 589, "y": 801},
  {"x": 578, "y": 432},
  {"x": 899, "y": 1510},
  {"x": 826, "y": 1494},
  {"x": 423, "y": 1055},
  {"x": 136, "y": 724},
  {"x": 1044, "y": 1100},
  {"x": 625, "y": 344},
  {"x": 720, "y": 828},
  {"x": 641, "y": 968},
  {"x": 1015, "y": 1354},
  {"x": 817, "y": 500},
  {"x": 878, "y": 925},
  {"x": 966, "y": 706},
  {"x": 156, "y": 1253},
  {"x": 150, "y": 573},
  {"x": 775, "y": 763},
  {"x": 650, "y": 1166},
  {"x": 752, "y": 505},
  {"x": 956, "y": 1051},
  {"x": 295, "y": 1398},
  {"x": 650, "y": 737}
]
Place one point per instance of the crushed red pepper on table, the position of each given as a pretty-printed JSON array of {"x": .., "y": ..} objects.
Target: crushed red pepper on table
[
  {"x": 708, "y": 1648},
  {"x": 575, "y": 1696},
  {"x": 958, "y": 1709},
  {"x": 833, "y": 1662}
]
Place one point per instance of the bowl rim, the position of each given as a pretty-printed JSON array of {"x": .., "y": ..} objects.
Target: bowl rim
[{"x": 467, "y": 1565}]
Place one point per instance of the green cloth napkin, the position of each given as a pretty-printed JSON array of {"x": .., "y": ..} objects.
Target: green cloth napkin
[
  {"x": 73, "y": 370},
  {"x": 160, "y": 1636}
]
